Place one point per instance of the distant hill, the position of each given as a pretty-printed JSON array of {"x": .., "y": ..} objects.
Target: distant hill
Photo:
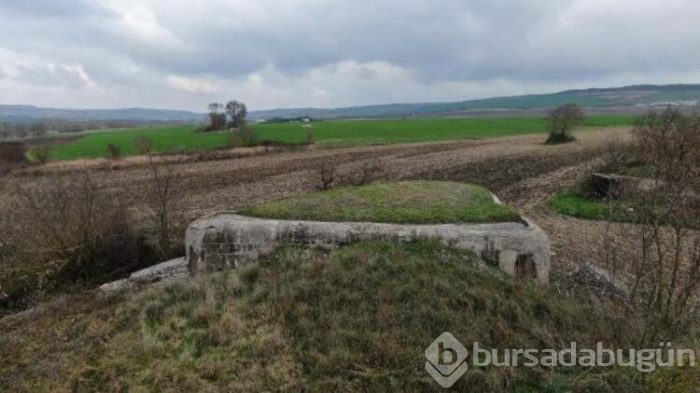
[
  {"x": 29, "y": 113},
  {"x": 621, "y": 99}
]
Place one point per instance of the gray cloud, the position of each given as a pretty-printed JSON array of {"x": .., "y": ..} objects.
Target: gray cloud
[{"x": 313, "y": 52}]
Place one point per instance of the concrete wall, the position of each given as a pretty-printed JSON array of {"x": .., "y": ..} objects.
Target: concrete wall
[{"x": 227, "y": 240}]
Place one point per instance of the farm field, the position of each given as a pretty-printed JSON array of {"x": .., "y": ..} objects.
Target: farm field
[
  {"x": 111, "y": 333},
  {"x": 341, "y": 132}
]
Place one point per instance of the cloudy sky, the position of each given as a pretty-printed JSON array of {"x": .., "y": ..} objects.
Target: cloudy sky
[{"x": 182, "y": 54}]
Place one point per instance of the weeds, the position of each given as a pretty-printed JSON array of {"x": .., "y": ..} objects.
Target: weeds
[
  {"x": 327, "y": 175},
  {"x": 246, "y": 137},
  {"x": 74, "y": 232},
  {"x": 162, "y": 193},
  {"x": 368, "y": 172}
]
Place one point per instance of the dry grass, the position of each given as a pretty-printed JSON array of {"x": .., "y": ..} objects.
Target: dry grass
[
  {"x": 356, "y": 319},
  {"x": 231, "y": 334}
]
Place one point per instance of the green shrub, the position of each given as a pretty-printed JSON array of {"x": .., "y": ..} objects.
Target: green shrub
[{"x": 39, "y": 155}]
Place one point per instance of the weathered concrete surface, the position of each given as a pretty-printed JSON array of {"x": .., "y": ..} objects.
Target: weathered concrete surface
[
  {"x": 170, "y": 270},
  {"x": 228, "y": 240},
  {"x": 620, "y": 186}
]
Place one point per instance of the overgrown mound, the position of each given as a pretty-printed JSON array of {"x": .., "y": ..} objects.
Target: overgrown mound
[
  {"x": 358, "y": 319},
  {"x": 408, "y": 202}
]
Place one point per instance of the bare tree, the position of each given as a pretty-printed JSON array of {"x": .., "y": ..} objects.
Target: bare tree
[
  {"x": 237, "y": 113},
  {"x": 217, "y": 118},
  {"x": 161, "y": 194},
  {"x": 659, "y": 255},
  {"x": 561, "y": 121}
]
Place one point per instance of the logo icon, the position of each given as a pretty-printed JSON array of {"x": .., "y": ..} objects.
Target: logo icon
[{"x": 446, "y": 360}]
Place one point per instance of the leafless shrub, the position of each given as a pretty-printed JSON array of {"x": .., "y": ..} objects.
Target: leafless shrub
[
  {"x": 327, "y": 175},
  {"x": 162, "y": 192},
  {"x": 659, "y": 254},
  {"x": 561, "y": 121},
  {"x": 617, "y": 154},
  {"x": 670, "y": 141},
  {"x": 368, "y": 172},
  {"x": 73, "y": 223}
]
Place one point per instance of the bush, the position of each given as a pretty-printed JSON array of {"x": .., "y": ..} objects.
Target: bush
[
  {"x": 327, "y": 175},
  {"x": 74, "y": 232},
  {"x": 368, "y": 172},
  {"x": 39, "y": 155},
  {"x": 162, "y": 193},
  {"x": 660, "y": 256},
  {"x": 670, "y": 142},
  {"x": 245, "y": 137},
  {"x": 114, "y": 151},
  {"x": 561, "y": 121},
  {"x": 143, "y": 145}
]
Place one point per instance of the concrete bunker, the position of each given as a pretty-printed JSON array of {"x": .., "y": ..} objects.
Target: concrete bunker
[
  {"x": 228, "y": 240},
  {"x": 459, "y": 215}
]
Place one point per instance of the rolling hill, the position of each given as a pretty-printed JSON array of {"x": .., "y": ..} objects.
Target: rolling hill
[
  {"x": 609, "y": 100},
  {"x": 28, "y": 113},
  {"x": 621, "y": 100}
]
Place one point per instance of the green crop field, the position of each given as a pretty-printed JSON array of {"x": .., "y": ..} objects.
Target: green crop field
[{"x": 341, "y": 132}]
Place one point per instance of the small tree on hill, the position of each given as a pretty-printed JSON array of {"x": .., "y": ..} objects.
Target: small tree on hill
[{"x": 561, "y": 121}]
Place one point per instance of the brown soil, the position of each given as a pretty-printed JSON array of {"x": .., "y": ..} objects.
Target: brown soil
[{"x": 521, "y": 170}]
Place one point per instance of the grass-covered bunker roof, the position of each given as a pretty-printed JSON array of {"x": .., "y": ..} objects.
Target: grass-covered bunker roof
[{"x": 407, "y": 202}]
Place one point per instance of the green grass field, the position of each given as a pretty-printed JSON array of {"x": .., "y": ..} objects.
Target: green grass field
[{"x": 338, "y": 132}]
